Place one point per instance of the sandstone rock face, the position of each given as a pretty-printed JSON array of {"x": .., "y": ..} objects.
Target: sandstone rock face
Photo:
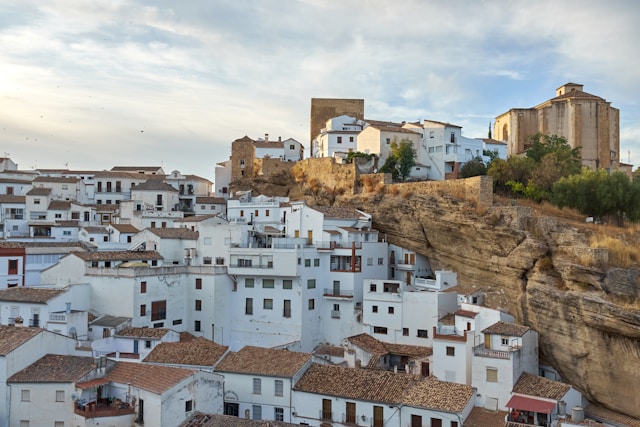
[{"x": 533, "y": 267}]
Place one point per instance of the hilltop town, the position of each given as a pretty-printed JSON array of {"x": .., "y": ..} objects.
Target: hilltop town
[{"x": 141, "y": 296}]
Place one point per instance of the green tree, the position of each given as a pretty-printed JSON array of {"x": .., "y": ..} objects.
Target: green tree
[
  {"x": 517, "y": 169},
  {"x": 400, "y": 161},
  {"x": 473, "y": 167}
]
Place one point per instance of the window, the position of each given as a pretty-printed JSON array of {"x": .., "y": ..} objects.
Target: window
[
  {"x": 436, "y": 422},
  {"x": 208, "y": 241},
  {"x": 143, "y": 310},
  {"x": 25, "y": 395},
  {"x": 405, "y": 332},
  {"x": 198, "y": 305},
  {"x": 451, "y": 351},
  {"x": 257, "y": 386},
  {"x": 388, "y": 141},
  {"x": 143, "y": 287},
  {"x": 219, "y": 260},
  {"x": 66, "y": 233},
  {"x": 350, "y": 139},
  {"x": 369, "y": 261},
  {"x": 248, "y": 283},
  {"x": 316, "y": 262},
  {"x": 248, "y": 306},
  {"x": 312, "y": 304},
  {"x": 24, "y": 423},
  {"x": 107, "y": 264},
  {"x": 268, "y": 283},
  {"x": 199, "y": 283},
  {"x": 278, "y": 414},
  {"x": 453, "y": 137},
  {"x": 36, "y": 201},
  {"x": 391, "y": 310},
  {"x": 380, "y": 330},
  {"x": 267, "y": 304},
  {"x": 311, "y": 284},
  {"x": 266, "y": 213},
  {"x": 423, "y": 333},
  {"x": 58, "y": 424},
  {"x": 188, "y": 406},
  {"x": 492, "y": 375},
  {"x": 59, "y": 395},
  {"x": 326, "y": 409},
  {"x": 197, "y": 326},
  {"x": 287, "y": 284},
  {"x": 454, "y": 424},
  {"x": 257, "y": 412},
  {"x": 177, "y": 322},
  {"x": 339, "y": 140},
  {"x": 147, "y": 344},
  {"x": 372, "y": 288},
  {"x": 279, "y": 388},
  {"x": 158, "y": 310},
  {"x": 505, "y": 340},
  {"x": 374, "y": 309},
  {"x": 13, "y": 266},
  {"x": 58, "y": 216},
  {"x": 351, "y": 413},
  {"x": 307, "y": 262},
  {"x": 153, "y": 224}
]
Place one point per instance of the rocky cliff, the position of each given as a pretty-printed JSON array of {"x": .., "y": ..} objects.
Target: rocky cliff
[{"x": 539, "y": 268}]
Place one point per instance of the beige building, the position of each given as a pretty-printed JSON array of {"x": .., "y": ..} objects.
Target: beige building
[{"x": 587, "y": 122}]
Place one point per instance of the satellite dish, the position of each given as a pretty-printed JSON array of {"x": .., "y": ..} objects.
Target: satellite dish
[{"x": 74, "y": 396}]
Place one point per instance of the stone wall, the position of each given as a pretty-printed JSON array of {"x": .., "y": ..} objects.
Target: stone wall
[
  {"x": 323, "y": 109},
  {"x": 478, "y": 189}
]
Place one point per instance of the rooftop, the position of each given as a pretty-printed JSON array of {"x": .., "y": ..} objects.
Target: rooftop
[
  {"x": 175, "y": 233},
  {"x": 29, "y": 294},
  {"x": 197, "y": 351},
  {"x": 154, "y": 378},
  {"x": 534, "y": 385},
  {"x": 199, "y": 419},
  {"x": 125, "y": 228},
  {"x": 154, "y": 185},
  {"x": 264, "y": 361},
  {"x": 132, "y": 332},
  {"x": 339, "y": 212},
  {"x": 39, "y": 191},
  {"x": 508, "y": 329},
  {"x": 118, "y": 255},
  {"x": 12, "y": 337},
  {"x": 54, "y": 368},
  {"x": 480, "y": 417}
]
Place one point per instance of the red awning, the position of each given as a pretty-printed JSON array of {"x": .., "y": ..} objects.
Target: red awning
[
  {"x": 531, "y": 404},
  {"x": 92, "y": 383}
]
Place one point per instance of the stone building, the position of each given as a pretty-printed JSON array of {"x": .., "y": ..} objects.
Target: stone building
[{"x": 587, "y": 122}]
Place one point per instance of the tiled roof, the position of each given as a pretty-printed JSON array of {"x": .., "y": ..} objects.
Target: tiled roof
[
  {"x": 154, "y": 378},
  {"x": 55, "y": 368},
  {"x": 29, "y": 294},
  {"x": 5, "y": 244},
  {"x": 264, "y": 361},
  {"x": 175, "y": 233},
  {"x": 606, "y": 415},
  {"x": 155, "y": 333},
  {"x": 56, "y": 179},
  {"x": 409, "y": 350},
  {"x": 197, "y": 351},
  {"x": 125, "y": 228},
  {"x": 104, "y": 207},
  {"x": 109, "y": 321},
  {"x": 268, "y": 144},
  {"x": 197, "y": 178},
  {"x": 439, "y": 395},
  {"x": 196, "y": 218},
  {"x": 480, "y": 417},
  {"x": 10, "y": 198},
  {"x": 68, "y": 223},
  {"x": 534, "y": 385},
  {"x": 368, "y": 343},
  {"x": 121, "y": 174},
  {"x": 444, "y": 123},
  {"x": 118, "y": 255},
  {"x": 39, "y": 191},
  {"x": 329, "y": 350},
  {"x": 360, "y": 384},
  {"x": 466, "y": 313},
  {"x": 199, "y": 419},
  {"x": 576, "y": 94},
  {"x": 211, "y": 200},
  {"x": 95, "y": 229},
  {"x": 136, "y": 168},
  {"x": 12, "y": 337},
  {"x": 338, "y": 212},
  {"x": 379, "y": 348},
  {"x": 492, "y": 141},
  {"x": 508, "y": 329},
  {"x": 154, "y": 185},
  {"x": 448, "y": 319}
]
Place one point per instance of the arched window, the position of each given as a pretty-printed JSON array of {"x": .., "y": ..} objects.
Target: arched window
[{"x": 505, "y": 133}]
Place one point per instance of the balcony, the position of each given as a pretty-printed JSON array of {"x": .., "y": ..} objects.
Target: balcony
[
  {"x": 103, "y": 408},
  {"x": 481, "y": 351},
  {"x": 337, "y": 293},
  {"x": 331, "y": 245}
]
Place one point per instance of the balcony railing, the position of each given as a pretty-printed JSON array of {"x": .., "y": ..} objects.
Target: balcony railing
[
  {"x": 93, "y": 410},
  {"x": 481, "y": 351},
  {"x": 57, "y": 317},
  {"x": 330, "y": 292}
]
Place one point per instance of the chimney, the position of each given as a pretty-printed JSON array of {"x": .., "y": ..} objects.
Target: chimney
[
  {"x": 279, "y": 139},
  {"x": 266, "y": 137}
]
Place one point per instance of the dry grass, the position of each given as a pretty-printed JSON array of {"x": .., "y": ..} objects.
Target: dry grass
[{"x": 624, "y": 250}]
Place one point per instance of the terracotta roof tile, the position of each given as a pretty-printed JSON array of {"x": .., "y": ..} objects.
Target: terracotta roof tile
[
  {"x": 211, "y": 200},
  {"x": 136, "y": 168},
  {"x": 600, "y": 413},
  {"x": 153, "y": 378},
  {"x": 96, "y": 229},
  {"x": 10, "y": 198},
  {"x": 154, "y": 185},
  {"x": 12, "y": 337},
  {"x": 448, "y": 319},
  {"x": 264, "y": 361},
  {"x": 197, "y": 351},
  {"x": 56, "y": 179},
  {"x": 534, "y": 385},
  {"x": 360, "y": 384},
  {"x": 508, "y": 329},
  {"x": 378, "y": 348},
  {"x": 109, "y": 321},
  {"x": 29, "y": 294},
  {"x": 125, "y": 228},
  {"x": 54, "y": 368},
  {"x": 199, "y": 419},
  {"x": 480, "y": 417},
  {"x": 175, "y": 233},
  {"x": 118, "y": 255},
  {"x": 329, "y": 350},
  {"x": 338, "y": 212},
  {"x": 196, "y": 218},
  {"x": 439, "y": 395},
  {"x": 466, "y": 313},
  {"x": 132, "y": 332},
  {"x": 39, "y": 191}
]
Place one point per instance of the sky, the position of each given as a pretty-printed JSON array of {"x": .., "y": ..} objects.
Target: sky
[{"x": 88, "y": 85}]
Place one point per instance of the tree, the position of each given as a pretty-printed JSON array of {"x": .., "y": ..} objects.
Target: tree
[
  {"x": 517, "y": 169},
  {"x": 400, "y": 161},
  {"x": 473, "y": 167}
]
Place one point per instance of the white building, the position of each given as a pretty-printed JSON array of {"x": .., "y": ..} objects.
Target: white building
[
  {"x": 259, "y": 382},
  {"x": 13, "y": 216},
  {"x": 501, "y": 355},
  {"x": 344, "y": 397},
  {"x": 338, "y": 138},
  {"x": 376, "y": 138},
  {"x": 132, "y": 343}
]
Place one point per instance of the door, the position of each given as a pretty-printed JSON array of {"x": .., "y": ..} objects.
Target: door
[
  {"x": 424, "y": 369},
  {"x": 309, "y": 237},
  {"x": 232, "y": 409},
  {"x": 326, "y": 409},
  {"x": 378, "y": 416},
  {"x": 416, "y": 421},
  {"x": 412, "y": 259},
  {"x": 336, "y": 287},
  {"x": 135, "y": 347},
  {"x": 436, "y": 422},
  {"x": 487, "y": 341}
]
